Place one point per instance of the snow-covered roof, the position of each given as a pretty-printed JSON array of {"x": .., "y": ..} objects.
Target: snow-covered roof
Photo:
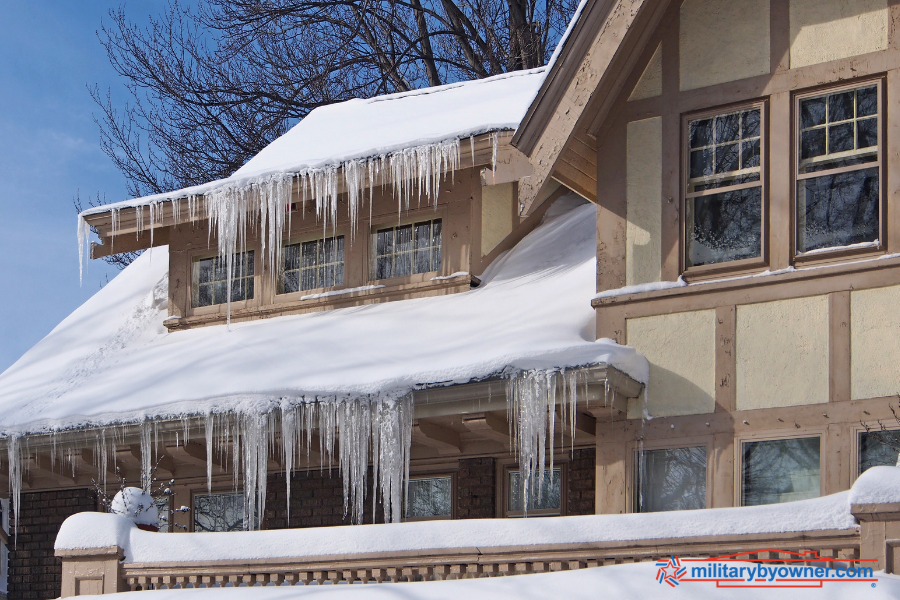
[
  {"x": 333, "y": 135},
  {"x": 112, "y": 360}
]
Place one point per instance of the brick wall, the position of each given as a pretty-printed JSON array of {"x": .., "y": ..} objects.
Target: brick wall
[
  {"x": 476, "y": 488},
  {"x": 317, "y": 500},
  {"x": 581, "y": 476},
  {"x": 34, "y": 573}
]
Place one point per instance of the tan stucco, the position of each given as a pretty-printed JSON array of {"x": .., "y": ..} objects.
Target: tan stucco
[
  {"x": 681, "y": 348},
  {"x": 723, "y": 40},
  {"x": 875, "y": 343},
  {"x": 824, "y": 30},
  {"x": 650, "y": 83},
  {"x": 781, "y": 351},
  {"x": 643, "y": 196},
  {"x": 496, "y": 215}
]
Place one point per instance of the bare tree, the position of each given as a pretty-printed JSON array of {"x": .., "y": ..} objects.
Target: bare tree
[{"x": 213, "y": 84}]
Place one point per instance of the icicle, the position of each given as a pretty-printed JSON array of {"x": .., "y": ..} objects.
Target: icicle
[
  {"x": 15, "y": 476},
  {"x": 209, "y": 430},
  {"x": 146, "y": 456},
  {"x": 114, "y": 228},
  {"x": 84, "y": 231},
  {"x": 472, "y": 146},
  {"x": 139, "y": 221},
  {"x": 495, "y": 141}
]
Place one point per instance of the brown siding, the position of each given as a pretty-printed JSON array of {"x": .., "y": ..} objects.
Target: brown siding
[{"x": 34, "y": 572}]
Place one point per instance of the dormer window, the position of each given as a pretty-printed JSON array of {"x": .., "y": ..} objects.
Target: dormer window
[
  {"x": 407, "y": 249},
  {"x": 210, "y": 280},
  {"x": 312, "y": 265}
]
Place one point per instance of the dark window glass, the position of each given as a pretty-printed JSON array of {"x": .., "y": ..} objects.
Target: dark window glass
[
  {"x": 780, "y": 471},
  {"x": 311, "y": 265},
  {"x": 838, "y": 131},
  {"x": 408, "y": 249},
  {"x": 837, "y": 210},
  {"x": 219, "y": 512},
  {"x": 725, "y": 152},
  {"x": 429, "y": 497},
  {"x": 671, "y": 479},
  {"x": 878, "y": 449},
  {"x": 544, "y": 497},
  {"x": 211, "y": 276}
]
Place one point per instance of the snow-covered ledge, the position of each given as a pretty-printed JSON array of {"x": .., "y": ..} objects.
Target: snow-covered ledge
[{"x": 863, "y": 523}]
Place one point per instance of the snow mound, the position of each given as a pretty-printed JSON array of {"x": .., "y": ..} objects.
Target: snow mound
[
  {"x": 113, "y": 361},
  {"x": 136, "y": 505},
  {"x": 878, "y": 485}
]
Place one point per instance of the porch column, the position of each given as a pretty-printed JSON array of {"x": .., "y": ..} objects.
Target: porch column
[{"x": 91, "y": 571}]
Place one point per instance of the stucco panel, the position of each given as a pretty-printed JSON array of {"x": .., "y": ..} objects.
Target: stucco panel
[
  {"x": 681, "y": 349},
  {"x": 643, "y": 199},
  {"x": 875, "y": 343},
  {"x": 496, "y": 215},
  {"x": 723, "y": 40},
  {"x": 650, "y": 83},
  {"x": 782, "y": 353},
  {"x": 824, "y": 30}
]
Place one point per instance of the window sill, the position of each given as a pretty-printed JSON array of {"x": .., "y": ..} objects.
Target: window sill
[
  {"x": 736, "y": 268},
  {"x": 760, "y": 280},
  {"x": 320, "y": 302},
  {"x": 843, "y": 254}
]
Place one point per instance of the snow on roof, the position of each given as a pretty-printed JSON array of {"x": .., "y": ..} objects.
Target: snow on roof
[
  {"x": 112, "y": 360},
  {"x": 358, "y": 129}
]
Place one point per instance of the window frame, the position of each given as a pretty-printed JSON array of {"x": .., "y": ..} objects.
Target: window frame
[
  {"x": 633, "y": 448},
  {"x": 825, "y": 255},
  {"x": 216, "y": 490},
  {"x": 858, "y": 429},
  {"x": 410, "y": 219},
  {"x": 301, "y": 239},
  {"x": 453, "y": 496},
  {"x": 503, "y": 492},
  {"x": 735, "y": 266},
  {"x": 774, "y": 436},
  {"x": 193, "y": 267}
]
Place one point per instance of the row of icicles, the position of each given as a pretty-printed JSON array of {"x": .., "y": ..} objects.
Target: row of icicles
[
  {"x": 264, "y": 204},
  {"x": 357, "y": 432}
]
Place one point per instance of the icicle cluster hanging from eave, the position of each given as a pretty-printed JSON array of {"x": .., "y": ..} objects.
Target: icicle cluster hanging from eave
[
  {"x": 532, "y": 400},
  {"x": 351, "y": 431}
]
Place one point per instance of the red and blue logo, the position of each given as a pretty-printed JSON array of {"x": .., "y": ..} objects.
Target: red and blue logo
[{"x": 670, "y": 571}]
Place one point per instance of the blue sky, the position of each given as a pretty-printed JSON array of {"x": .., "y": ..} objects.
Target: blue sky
[{"x": 49, "y": 150}]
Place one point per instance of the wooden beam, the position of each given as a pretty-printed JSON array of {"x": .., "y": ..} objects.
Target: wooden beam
[
  {"x": 443, "y": 439},
  {"x": 88, "y": 457},
  {"x": 490, "y": 426},
  {"x": 42, "y": 467},
  {"x": 164, "y": 463},
  {"x": 198, "y": 451},
  {"x": 585, "y": 426}
]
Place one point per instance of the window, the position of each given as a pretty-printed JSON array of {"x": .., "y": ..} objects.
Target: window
[
  {"x": 219, "y": 512},
  {"x": 430, "y": 498},
  {"x": 780, "y": 471},
  {"x": 311, "y": 265},
  {"x": 878, "y": 448},
  {"x": 210, "y": 279},
  {"x": 838, "y": 168},
  {"x": 670, "y": 479},
  {"x": 544, "y": 498},
  {"x": 408, "y": 249},
  {"x": 724, "y": 195}
]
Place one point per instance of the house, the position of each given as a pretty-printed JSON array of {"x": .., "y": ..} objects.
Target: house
[{"x": 673, "y": 253}]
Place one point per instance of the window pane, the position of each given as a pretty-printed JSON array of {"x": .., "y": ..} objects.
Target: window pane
[
  {"x": 727, "y": 158},
  {"x": 220, "y": 292},
  {"x": 812, "y": 143},
  {"x": 206, "y": 270},
  {"x": 812, "y": 112},
  {"x": 867, "y": 133},
  {"x": 204, "y": 295},
  {"x": 750, "y": 124},
  {"x": 291, "y": 257},
  {"x": 728, "y": 128},
  {"x": 548, "y": 499},
  {"x": 429, "y": 497},
  {"x": 701, "y": 163},
  {"x": 878, "y": 449},
  {"x": 162, "y": 509},
  {"x": 837, "y": 210},
  {"x": 423, "y": 247},
  {"x": 725, "y": 227},
  {"x": 780, "y": 471},
  {"x": 840, "y": 106},
  {"x": 867, "y": 101},
  {"x": 701, "y": 133},
  {"x": 750, "y": 154},
  {"x": 436, "y": 245},
  {"x": 403, "y": 249},
  {"x": 840, "y": 138},
  {"x": 219, "y": 512},
  {"x": 310, "y": 252},
  {"x": 671, "y": 479},
  {"x": 291, "y": 282}
]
